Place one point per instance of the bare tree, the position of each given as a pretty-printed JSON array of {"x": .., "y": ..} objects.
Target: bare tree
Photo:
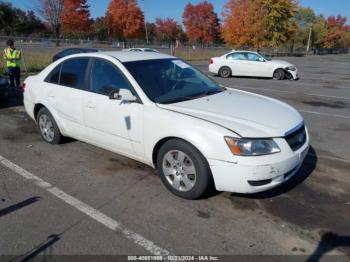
[{"x": 50, "y": 11}]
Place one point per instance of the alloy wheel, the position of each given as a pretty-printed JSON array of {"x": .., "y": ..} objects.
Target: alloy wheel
[{"x": 179, "y": 170}]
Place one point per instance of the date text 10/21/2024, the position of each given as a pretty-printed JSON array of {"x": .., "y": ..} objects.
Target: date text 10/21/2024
[{"x": 173, "y": 258}]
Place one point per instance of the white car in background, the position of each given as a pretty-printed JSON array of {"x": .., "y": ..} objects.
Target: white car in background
[
  {"x": 161, "y": 111},
  {"x": 253, "y": 64},
  {"x": 138, "y": 49}
]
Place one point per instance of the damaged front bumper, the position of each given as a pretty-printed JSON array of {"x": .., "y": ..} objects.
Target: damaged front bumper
[{"x": 293, "y": 74}]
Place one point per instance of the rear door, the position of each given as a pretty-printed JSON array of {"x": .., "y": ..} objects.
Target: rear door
[
  {"x": 112, "y": 124},
  {"x": 67, "y": 82}
]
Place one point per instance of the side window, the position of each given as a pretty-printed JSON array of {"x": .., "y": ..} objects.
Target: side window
[
  {"x": 236, "y": 56},
  {"x": 253, "y": 57},
  {"x": 105, "y": 77},
  {"x": 73, "y": 73},
  {"x": 54, "y": 75}
]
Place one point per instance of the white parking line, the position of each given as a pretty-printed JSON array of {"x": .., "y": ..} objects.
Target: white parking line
[{"x": 86, "y": 209}]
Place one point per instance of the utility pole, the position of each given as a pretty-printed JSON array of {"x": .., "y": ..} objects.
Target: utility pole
[{"x": 309, "y": 41}]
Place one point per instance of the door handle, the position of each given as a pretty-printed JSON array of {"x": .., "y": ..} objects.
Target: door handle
[
  {"x": 51, "y": 95},
  {"x": 90, "y": 105}
]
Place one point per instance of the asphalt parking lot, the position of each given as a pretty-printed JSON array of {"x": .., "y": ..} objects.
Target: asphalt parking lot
[{"x": 76, "y": 199}]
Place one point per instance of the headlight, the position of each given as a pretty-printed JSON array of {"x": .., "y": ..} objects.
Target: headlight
[
  {"x": 291, "y": 68},
  {"x": 252, "y": 147}
]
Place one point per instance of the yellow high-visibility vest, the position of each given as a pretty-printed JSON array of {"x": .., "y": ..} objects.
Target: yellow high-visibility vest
[{"x": 15, "y": 54}]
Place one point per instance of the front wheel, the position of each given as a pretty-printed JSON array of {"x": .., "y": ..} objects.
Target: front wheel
[
  {"x": 279, "y": 74},
  {"x": 183, "y": 169}
]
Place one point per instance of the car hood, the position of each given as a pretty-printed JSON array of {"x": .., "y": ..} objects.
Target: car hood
[
  {"x": 247, "y": 114},
  {"x": 281, "y": 63}
]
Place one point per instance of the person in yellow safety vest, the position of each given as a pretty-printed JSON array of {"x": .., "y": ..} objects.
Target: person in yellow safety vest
[{"x": 12, "y": 57}]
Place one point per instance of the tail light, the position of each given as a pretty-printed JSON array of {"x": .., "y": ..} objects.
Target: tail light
[
  {"x": 211, "y": 61},
  {"x": 23, "y": 87}
]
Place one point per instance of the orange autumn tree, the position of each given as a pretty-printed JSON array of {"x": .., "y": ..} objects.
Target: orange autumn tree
[
  {"x": 168, "y": 29},
  {"x": 125, "y": 19},
  {"x": 244, "y": 23},
  {"x": 201, "y": 23},
  {"x": 337, "y": 33},
  {"x": 75, "y": 16}
]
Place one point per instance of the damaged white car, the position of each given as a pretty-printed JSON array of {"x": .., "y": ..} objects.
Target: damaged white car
[
  {"x": 161, "y": 111},
  {"x": 252, "y": 64}
]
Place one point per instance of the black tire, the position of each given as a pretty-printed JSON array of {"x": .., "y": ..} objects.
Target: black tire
[
  {"x": 203, "y": 178},
  {"x": 225, "y": 72},
  {"x": 57, "y": 136},
  {"x": 279, "y": 74}
]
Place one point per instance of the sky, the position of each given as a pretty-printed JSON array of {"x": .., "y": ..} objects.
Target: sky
[{"x": 174, "y": 8}]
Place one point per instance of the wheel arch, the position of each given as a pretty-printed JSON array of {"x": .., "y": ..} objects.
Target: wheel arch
[
  {"x": 162, "y": 141},
  {"x": 37, "y": 108},
  {"x": 276, "y": 68}
]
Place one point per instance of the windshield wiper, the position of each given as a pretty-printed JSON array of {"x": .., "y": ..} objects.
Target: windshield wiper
[
  {"x": 211, "y": 92},
  {"x": 194, "y": 96},
  {"x": 176, "y": 100}
]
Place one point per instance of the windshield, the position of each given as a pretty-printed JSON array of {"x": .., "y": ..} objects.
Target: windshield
[{"x": 171, "y": 80}]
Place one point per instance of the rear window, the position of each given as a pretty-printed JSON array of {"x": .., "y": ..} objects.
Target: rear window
[
  {"x": 73, "y": 73},
  {"x": 236, "y": 56},
  {"x": 54, "y": 76}
]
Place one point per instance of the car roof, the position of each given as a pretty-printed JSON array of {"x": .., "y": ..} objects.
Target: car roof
[{"x": 135, "y": 56}]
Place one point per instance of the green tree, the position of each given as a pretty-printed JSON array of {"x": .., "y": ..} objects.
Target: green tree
[
  {"x": 99, "y": 29},
  {"x": 304, "y": 19},
  {"x": 26, "y": 23},
  {"x": 280, "y": 20},
  {"x": 318, "y": 32},
  {"x": 14, "y": 21},
  {"x": 6, "y": 17}
]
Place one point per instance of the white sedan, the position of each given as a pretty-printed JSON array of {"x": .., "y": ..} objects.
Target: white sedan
[
  {"x": 139, "y": 49},
  {"x": 161, "y": 111},
  {"x": 246, "y": 63}
]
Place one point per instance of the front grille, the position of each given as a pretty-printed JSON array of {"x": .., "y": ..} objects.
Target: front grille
[{"x": 296, "y": 139}]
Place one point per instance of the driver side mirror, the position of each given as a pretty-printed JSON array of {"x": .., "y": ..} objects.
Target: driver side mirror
[
  {"x": 261, "y": 59},
  {"x": 122, "y": 94}
]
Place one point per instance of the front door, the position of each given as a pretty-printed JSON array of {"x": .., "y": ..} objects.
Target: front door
[
  {"x": 112, "y": 124},
  {"x": 257, "y": 66}
]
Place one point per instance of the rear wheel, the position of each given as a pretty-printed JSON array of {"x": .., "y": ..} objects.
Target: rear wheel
[
  {"x": 279, "y": 74},
  {"x": 225, "y": 72},
  {"x": 48, "y": 128},
  {"x": 183, "y": 169}
]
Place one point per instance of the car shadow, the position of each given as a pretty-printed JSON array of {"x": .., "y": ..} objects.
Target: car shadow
[
  {"x": 328, "y": 242},
  {"x": 305, "y": 171}
]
